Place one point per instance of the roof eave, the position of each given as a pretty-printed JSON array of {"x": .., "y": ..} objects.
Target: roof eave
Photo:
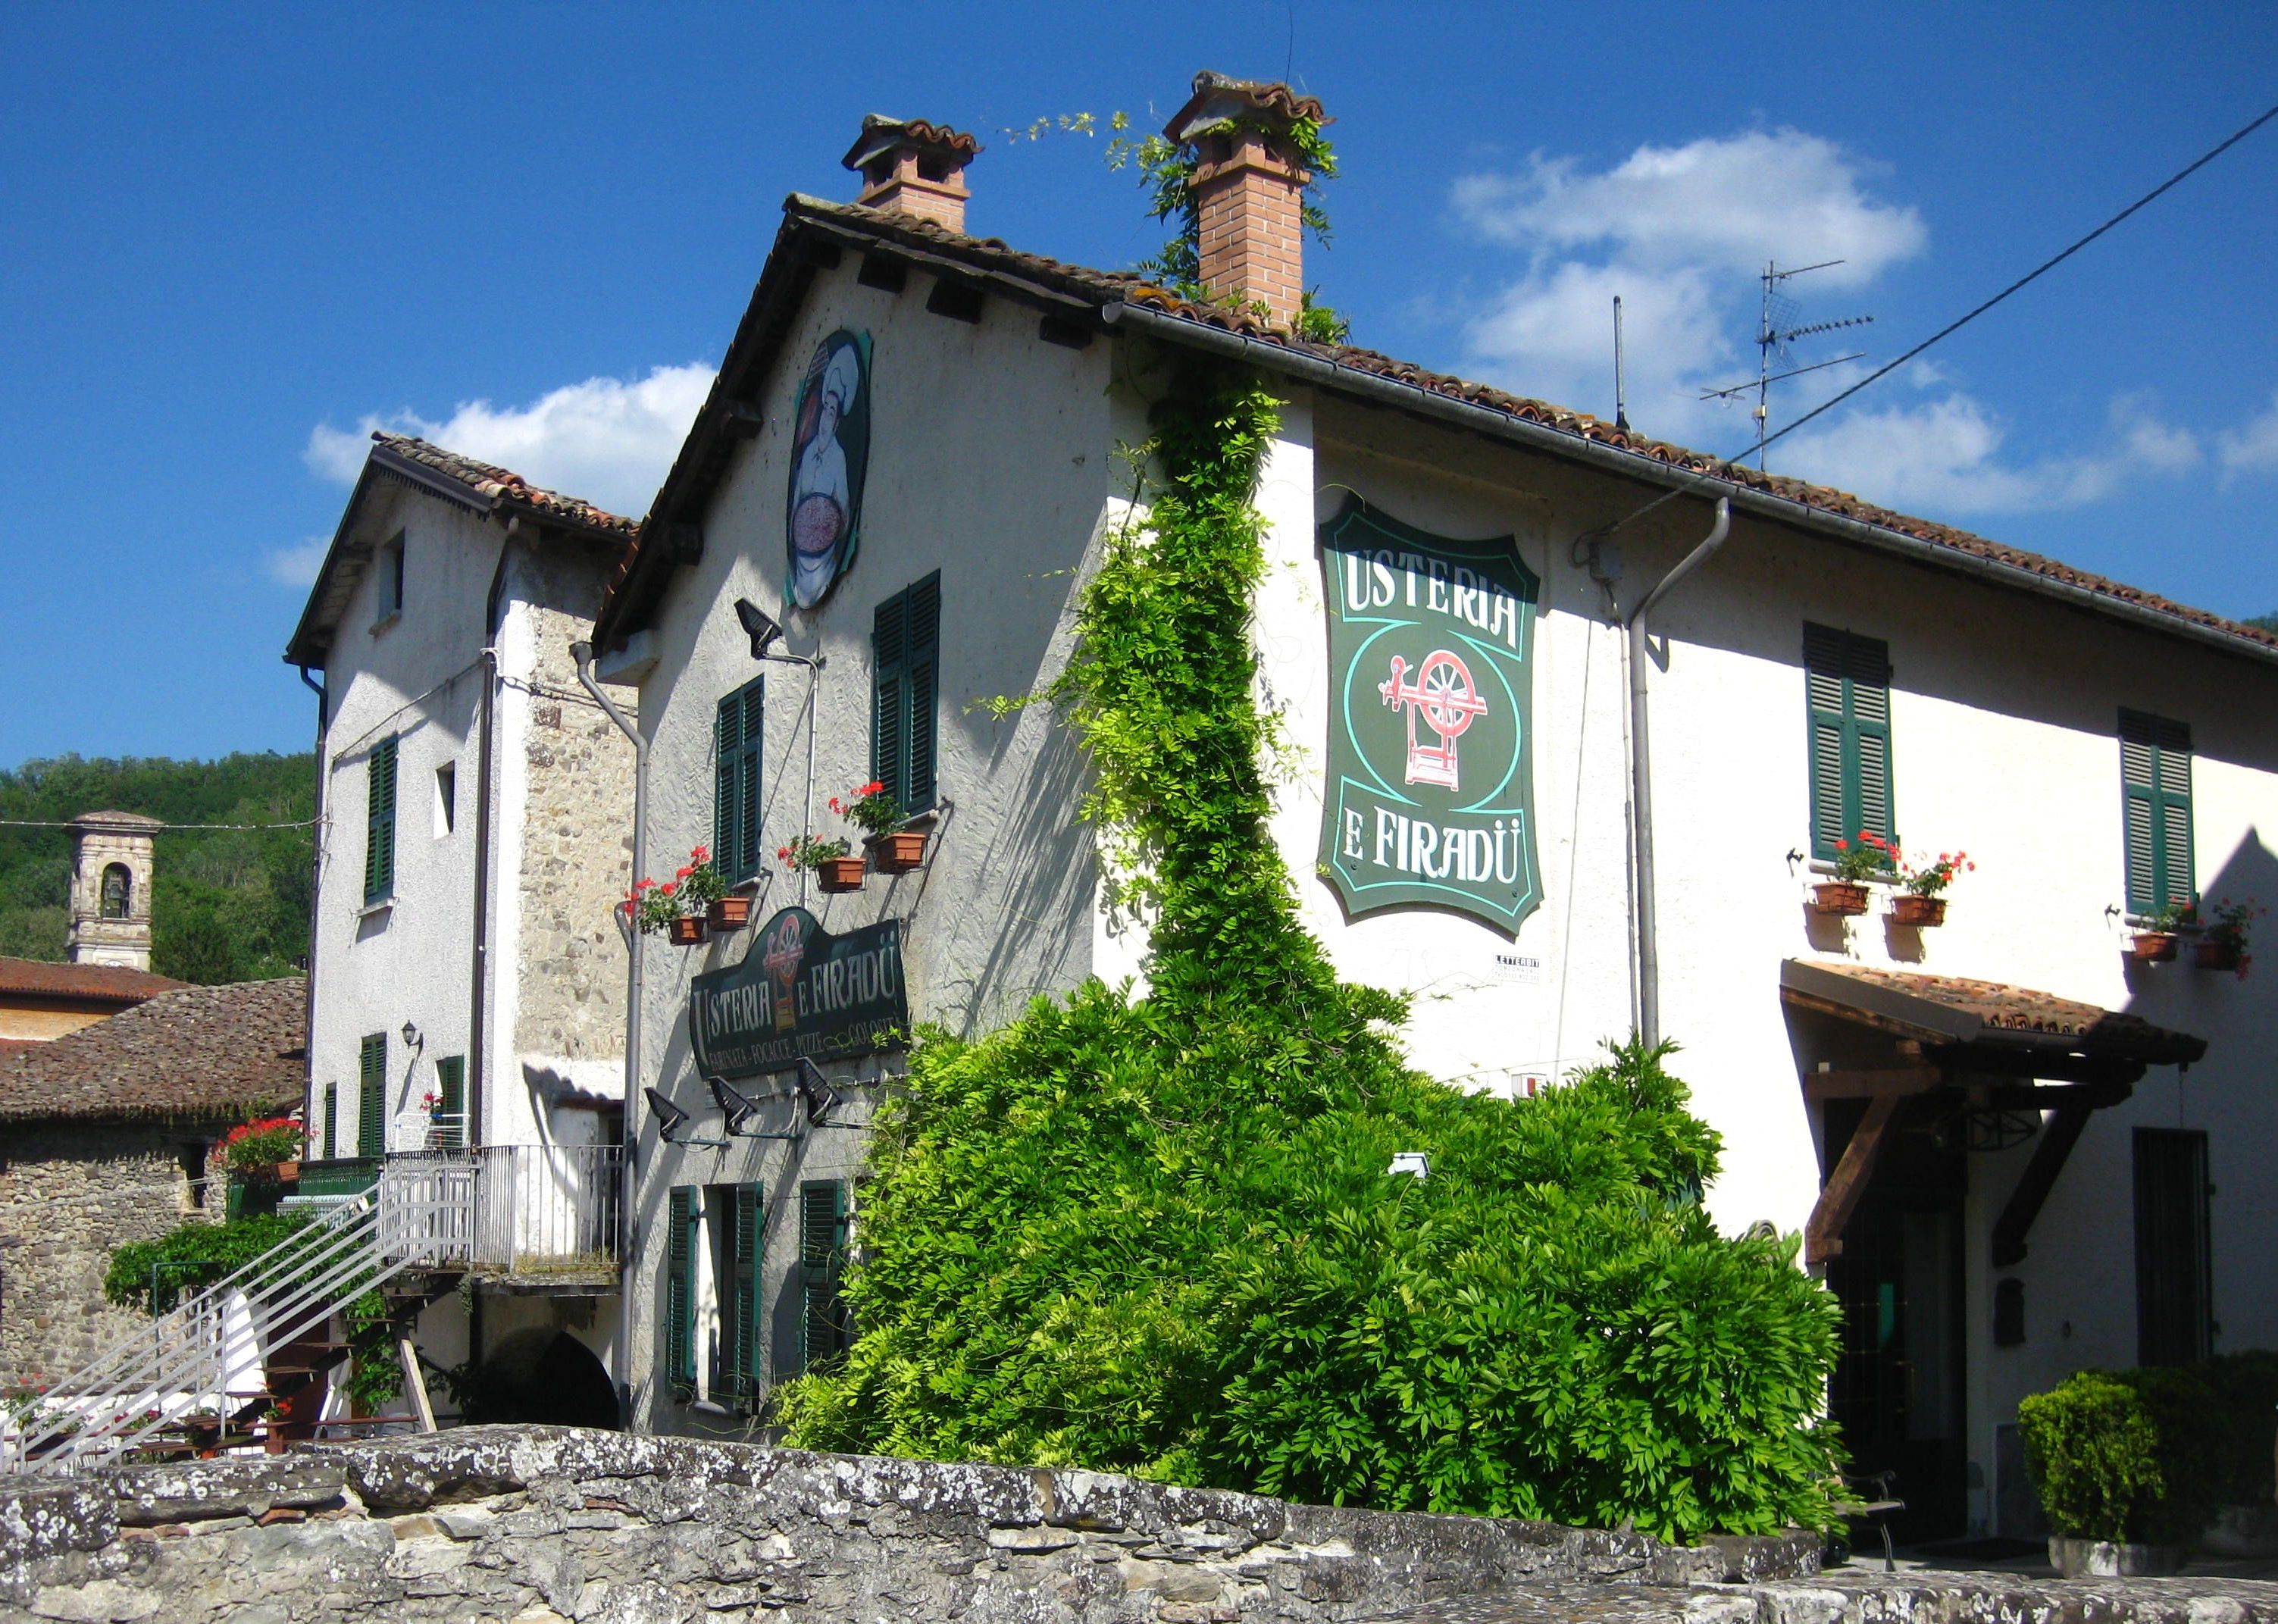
[{"x": 1652, "y": 470}]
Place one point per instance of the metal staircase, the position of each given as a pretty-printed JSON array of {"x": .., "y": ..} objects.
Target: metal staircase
[{"x": 265, "y": 1322}]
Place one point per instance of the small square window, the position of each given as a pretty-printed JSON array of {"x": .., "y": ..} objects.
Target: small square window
[{"x": 446, "y": 798}]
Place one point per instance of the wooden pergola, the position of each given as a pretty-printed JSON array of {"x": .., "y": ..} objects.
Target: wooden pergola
[{"x": 1982, "y": 1044}]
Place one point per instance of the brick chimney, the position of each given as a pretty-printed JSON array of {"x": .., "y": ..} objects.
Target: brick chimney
[
  {"x": 1250, "y": 185},
  {"x": 914, "y": 167}
]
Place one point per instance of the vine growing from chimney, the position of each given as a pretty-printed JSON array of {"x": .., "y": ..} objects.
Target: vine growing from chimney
[
  {"x": 1156, "y": 1231},
  {"x": 1166, "y": 173}
]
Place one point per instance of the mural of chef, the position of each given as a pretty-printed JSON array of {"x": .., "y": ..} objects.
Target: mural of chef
[{"x": 830, "y": 452}]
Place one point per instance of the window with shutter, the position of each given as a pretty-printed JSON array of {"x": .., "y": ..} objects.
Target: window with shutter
[
  {"x": 451, "y": 1087},
  {"x": 682, "y": 1212},
  {"x": 1847, "y": 688},
  {"x": 330, "y": 1145},
  {"x": 825, "y": 1330},
  {"x": 2174, "y": 1295},
  {"x": 736, "y": 783},
  {"x": 380, "y": 823},
  {"x": 371, "y": 1097},
  {"x": 906, "y": 653},
  {"x": 2155, "y": 780},
  {"x": 739, "y": 1377}
]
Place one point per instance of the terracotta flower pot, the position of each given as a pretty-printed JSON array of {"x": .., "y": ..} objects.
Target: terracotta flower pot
[
  {"x": 1920, "y": 912},
  {"x": 730, "y": 912},
  {"x": 898, "y": 852},
  {"x": 688, "y": 931},
  {"x": 2216, "y": 954},
  {"x": 1842, "y": 897},
  {"x": 2154, "y": 946},
  {"x": 288, "y": 1172},
  {"x": 840, "y": 873}
]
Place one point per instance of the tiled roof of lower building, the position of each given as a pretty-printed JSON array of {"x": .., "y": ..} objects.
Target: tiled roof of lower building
[
  {"x": 1957, "y": 1010},
  {"x": 638, "y": 580},
  {"x": 197, "y": 1051},
  {"x": 91, "y": 983}
]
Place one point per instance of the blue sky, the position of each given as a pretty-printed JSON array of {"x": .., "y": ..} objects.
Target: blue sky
[{"x": 233, "y": 235}]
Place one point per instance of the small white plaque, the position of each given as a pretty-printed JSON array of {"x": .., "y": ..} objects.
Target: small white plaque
[{"x": 1520, "y": 969}]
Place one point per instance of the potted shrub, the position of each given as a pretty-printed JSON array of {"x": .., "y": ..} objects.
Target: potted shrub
[
  {"x": 2155, "y": 942},
  {"x": 1921, "y": 902},
  {"x": 2125, "y": 1466},
  {"x": 657, "y": 909},
  {"x": 264, "y": 1151},
  {"x": 1856, "y": 861},
  {"x": 894, "y": 849},
  {"x": 2223, "y": 947},
  {"x": 834, "y": 869}
]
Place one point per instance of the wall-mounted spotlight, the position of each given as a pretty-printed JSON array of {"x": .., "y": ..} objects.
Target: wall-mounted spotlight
[
  {"x": 820, "y": 1099},
  {"x": 763, "y": 627},
  {"x": 670, "y": 1119},
  {"x": 1411, "y": 1164},
  {"x": 741, "y": 1109}
]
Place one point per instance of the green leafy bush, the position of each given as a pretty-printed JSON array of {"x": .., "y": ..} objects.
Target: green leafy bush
[
  {"x": 1157, "y": 1235},
  {"x": 2244, "y": 1386},
  {"x": 2133, "y": 1456}
]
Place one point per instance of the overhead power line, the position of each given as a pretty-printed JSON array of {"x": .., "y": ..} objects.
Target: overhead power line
[
  {"x": 34, "y": 822},
  {"x": 2046, "y": 265}
]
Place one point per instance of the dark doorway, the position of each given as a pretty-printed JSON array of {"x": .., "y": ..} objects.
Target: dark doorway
[
  {"x": 540, "y": 1377},
  {"x": 1897, "y": 1389},
  {"x": 2174, "y": 1289}
]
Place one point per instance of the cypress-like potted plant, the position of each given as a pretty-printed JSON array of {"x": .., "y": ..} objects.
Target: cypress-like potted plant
[{"x": 2125, "y": 1466}]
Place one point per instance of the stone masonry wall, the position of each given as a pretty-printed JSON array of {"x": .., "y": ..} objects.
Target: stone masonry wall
[
  {"x": 69, "y": 1192},
  {"x": 577, "y": 859},
  {"x": 540, "y": 1525}
]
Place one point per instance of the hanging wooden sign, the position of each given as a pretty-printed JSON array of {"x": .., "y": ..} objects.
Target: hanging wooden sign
[
  {"x": 1429, "y": 800},
  {"x": 800, "y": 990}
]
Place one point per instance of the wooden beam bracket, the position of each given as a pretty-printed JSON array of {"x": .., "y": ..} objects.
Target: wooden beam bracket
[
  {"x": 1823, "y": 1236},
  {"x": 2061, "y": 1132}
]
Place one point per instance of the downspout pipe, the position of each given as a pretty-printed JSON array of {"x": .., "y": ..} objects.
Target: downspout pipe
[
  {"x": 310, "y": 1115},
  {"x": 582, "y": 653},
  {"x": 1648, "y": 952}
]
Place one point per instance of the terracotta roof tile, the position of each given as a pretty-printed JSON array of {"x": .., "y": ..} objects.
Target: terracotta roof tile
[
  {"x": 197, "y": 1051},
  {"x": 38, "y": 978},
  {"x": 498, "y": 483},
  {"x": 635, "y": 576},
  {"x": 1996, "y": 1007}
]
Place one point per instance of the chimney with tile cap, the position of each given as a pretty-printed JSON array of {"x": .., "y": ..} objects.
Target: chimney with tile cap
[
  {"x": 914, "y": 167},
  {"x": 1248, "y": 189}
]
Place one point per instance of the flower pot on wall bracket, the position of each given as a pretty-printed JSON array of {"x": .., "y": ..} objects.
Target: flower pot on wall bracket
[
  {"x": 688, "y": 931},
  {"x": 1920, "y": 912},
  {"x": 2152, "y": 946},
  {"x": 730, "y": 912},
  {"x": 1841, "y": 897},
  {"x": 898, "y": 851},
  {"x": 2216, "y": 954},
  {"x": 840, "y": 873}
]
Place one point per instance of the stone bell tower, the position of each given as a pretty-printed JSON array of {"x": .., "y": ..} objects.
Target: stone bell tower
[{"x": 111, "y": 888}]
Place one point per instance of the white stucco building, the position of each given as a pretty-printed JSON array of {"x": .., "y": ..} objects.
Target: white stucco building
[
  {"x": 1986, "y": 1128},
  {"x": 467, "y": 974}
]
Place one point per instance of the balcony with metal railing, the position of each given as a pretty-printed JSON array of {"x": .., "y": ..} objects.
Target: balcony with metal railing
[{"x": 533, "y": 1217}]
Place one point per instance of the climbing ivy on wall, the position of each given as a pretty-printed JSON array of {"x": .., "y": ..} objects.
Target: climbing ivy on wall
[{"x": 1156, "y": 1234}]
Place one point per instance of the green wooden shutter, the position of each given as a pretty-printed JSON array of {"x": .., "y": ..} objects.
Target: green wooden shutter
[
  {"x": 1847, "y": 684},
  {"x": 680, "y": 1291},
  {"x": 371, "y": 1097},
  {"x": 740, "y": 1294},
  {"x": 736, "y": 782},
  {"x": 824, "y": 1328},
  {"x": 330, "y": 1145},
  {"x": 2155, "y": 777},
  {"x": 889, "y": 649},
  {"x": 380, "y": 823},
  {"x": 451, "y": 1084},
  {"x": 922, "y": 690}
]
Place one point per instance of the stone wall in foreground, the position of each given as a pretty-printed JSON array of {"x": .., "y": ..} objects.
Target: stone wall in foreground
[{"x": 535, "y": 1525}]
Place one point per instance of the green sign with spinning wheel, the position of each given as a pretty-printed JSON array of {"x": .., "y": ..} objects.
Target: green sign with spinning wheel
[{"x": 1429, "y": 800}]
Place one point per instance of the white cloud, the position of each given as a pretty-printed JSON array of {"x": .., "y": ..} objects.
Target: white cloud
[
  {"x": 609, "y": 441},
  {"x": 1945, "y": 454},
  {"x": 297, "y": 565},
  {"x": 2254, "y": 447},
  {"x": 1724, "y": 202}
]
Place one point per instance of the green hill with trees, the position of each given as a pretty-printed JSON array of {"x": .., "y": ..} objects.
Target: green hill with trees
[{"x": 228, "y": 904}]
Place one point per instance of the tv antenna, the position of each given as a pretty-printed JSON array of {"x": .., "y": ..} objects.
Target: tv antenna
[{"x": 1774, "y": 334}]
